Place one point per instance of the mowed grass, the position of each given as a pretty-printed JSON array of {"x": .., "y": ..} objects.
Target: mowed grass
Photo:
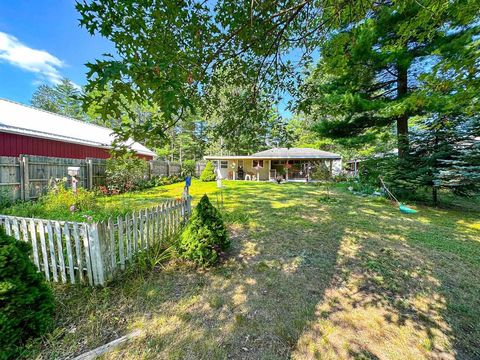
[{"x": 306, "y": 278}]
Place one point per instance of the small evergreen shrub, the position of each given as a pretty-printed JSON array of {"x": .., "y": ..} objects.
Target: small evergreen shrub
[
  {"x": 205, "y": 236},
  {"x": 26, "y": 303},
  {"x": 208, "y": 174}
]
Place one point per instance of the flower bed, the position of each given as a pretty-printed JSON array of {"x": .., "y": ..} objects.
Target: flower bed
[{"x": 62, "y": 204}]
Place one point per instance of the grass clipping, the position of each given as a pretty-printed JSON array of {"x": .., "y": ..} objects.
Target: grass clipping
[{"x": 205, "y": 237}]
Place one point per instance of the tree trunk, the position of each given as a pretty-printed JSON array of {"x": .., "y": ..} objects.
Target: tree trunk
[
  {"x": 435, "y": 196},
  {"x": 402, "y": 121}
]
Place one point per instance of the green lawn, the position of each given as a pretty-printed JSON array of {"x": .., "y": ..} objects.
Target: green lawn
[{"x": 306, "y": 277}]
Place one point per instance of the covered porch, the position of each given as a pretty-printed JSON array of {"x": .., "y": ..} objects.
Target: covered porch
[
  {"x": 267, "y": 169},
  {"x": 292, "y": 164}
]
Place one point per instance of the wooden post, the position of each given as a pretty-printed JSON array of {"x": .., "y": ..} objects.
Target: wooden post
[
  {"x": 150, "y": 169},
  {"x": 66, "y": 232},
  {"x": 97, "y": 241},
  {"x": 43, "y": 244},
  {"x": 61, "y": 260},
  {"x": 331, "y": 168},
  {"x": 26, "y": 176},
  {"x": 78, "y": 251},
  {"x": 33, "y": 235},
  {"x": 189, "y": 206},
  {"x": 89, "y": 174},
  {"x": 53, "y": 261},
  {"x": 22, "y": 180},
  {"x": 87, "y": 247},
  {"x": 121, "y": 252}
]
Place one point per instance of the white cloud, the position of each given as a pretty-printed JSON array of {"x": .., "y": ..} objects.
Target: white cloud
[{"x": 43, "y": 64}]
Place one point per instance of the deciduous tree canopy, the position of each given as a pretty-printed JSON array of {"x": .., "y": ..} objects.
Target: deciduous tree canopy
[{"x": 169, "y": 53}]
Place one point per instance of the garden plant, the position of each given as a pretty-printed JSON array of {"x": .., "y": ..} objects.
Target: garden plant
[
  {"x": 26, "y": 302},
  {"x": 208, "y": 174},
  {"x": 205, "y": 237}
]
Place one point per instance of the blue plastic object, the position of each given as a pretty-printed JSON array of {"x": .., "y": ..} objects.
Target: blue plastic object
[{"x": 406, "y": 210}]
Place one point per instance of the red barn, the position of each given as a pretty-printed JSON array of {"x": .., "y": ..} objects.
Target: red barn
[{"x": 28, "y": 131}]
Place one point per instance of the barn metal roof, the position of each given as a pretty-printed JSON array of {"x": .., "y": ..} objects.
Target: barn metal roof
[
  {"x": 21, "y": 119},
  {"x": 282, "y": 153}
]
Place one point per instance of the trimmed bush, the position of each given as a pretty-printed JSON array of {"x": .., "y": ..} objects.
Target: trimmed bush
[
  {"x": 205, "y": 235},
  {"x": 208, "y": 174},
  {"x": 26, "y": 303}
]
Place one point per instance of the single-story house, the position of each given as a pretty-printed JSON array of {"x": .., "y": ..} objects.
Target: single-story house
[
  {"x": 25, "y": 130},
  {"x": 293, "y": 164}
]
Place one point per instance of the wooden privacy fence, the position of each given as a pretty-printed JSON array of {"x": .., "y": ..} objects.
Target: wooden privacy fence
[
  {"x": 199, "y": 166},
  {"x": 76, "y": 252},
  {"x": 27, "y": 177}
]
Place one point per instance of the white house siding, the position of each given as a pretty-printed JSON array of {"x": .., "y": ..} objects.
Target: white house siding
[
  {"x": 295, "y": 156},
  {"x": 221, "y": 172},
  {"x": 263, "y": 172},
  {"x": 337, "y": 167}
]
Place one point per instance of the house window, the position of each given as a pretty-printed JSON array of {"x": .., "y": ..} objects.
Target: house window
[
  {"x": 224, "y": 164},
  {"x": 257, "y": 162}
]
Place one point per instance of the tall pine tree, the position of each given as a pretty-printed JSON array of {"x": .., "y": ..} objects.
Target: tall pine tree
[
  {"x": 461, "y": 171},
  {"x": 371, "y": 73}
]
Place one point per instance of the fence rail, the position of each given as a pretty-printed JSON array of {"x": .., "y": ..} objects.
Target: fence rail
[
  {"x": 76, "y": 252},
  {"x": 27, "y": 177}
]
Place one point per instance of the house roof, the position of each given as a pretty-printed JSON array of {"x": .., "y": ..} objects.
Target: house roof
[
  {"x": 282, "y": 153},
  {"x": 21, "y": 119},
  {"x": 295, "y": 153}
]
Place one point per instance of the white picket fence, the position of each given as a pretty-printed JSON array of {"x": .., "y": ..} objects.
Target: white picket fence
[{"x": 77, "y": 252}]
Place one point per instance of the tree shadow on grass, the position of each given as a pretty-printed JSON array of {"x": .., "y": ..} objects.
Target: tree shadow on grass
[{"x": 395, "y": 294}]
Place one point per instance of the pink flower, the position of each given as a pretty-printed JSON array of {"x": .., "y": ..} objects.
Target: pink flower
[{"x": 72, "y": 208}]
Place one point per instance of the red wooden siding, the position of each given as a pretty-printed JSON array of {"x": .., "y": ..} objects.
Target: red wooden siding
[{"x": 15, "y": 145}]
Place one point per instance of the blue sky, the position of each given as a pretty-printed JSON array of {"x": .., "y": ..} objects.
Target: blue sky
[{"x": 41, "y": 42}]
